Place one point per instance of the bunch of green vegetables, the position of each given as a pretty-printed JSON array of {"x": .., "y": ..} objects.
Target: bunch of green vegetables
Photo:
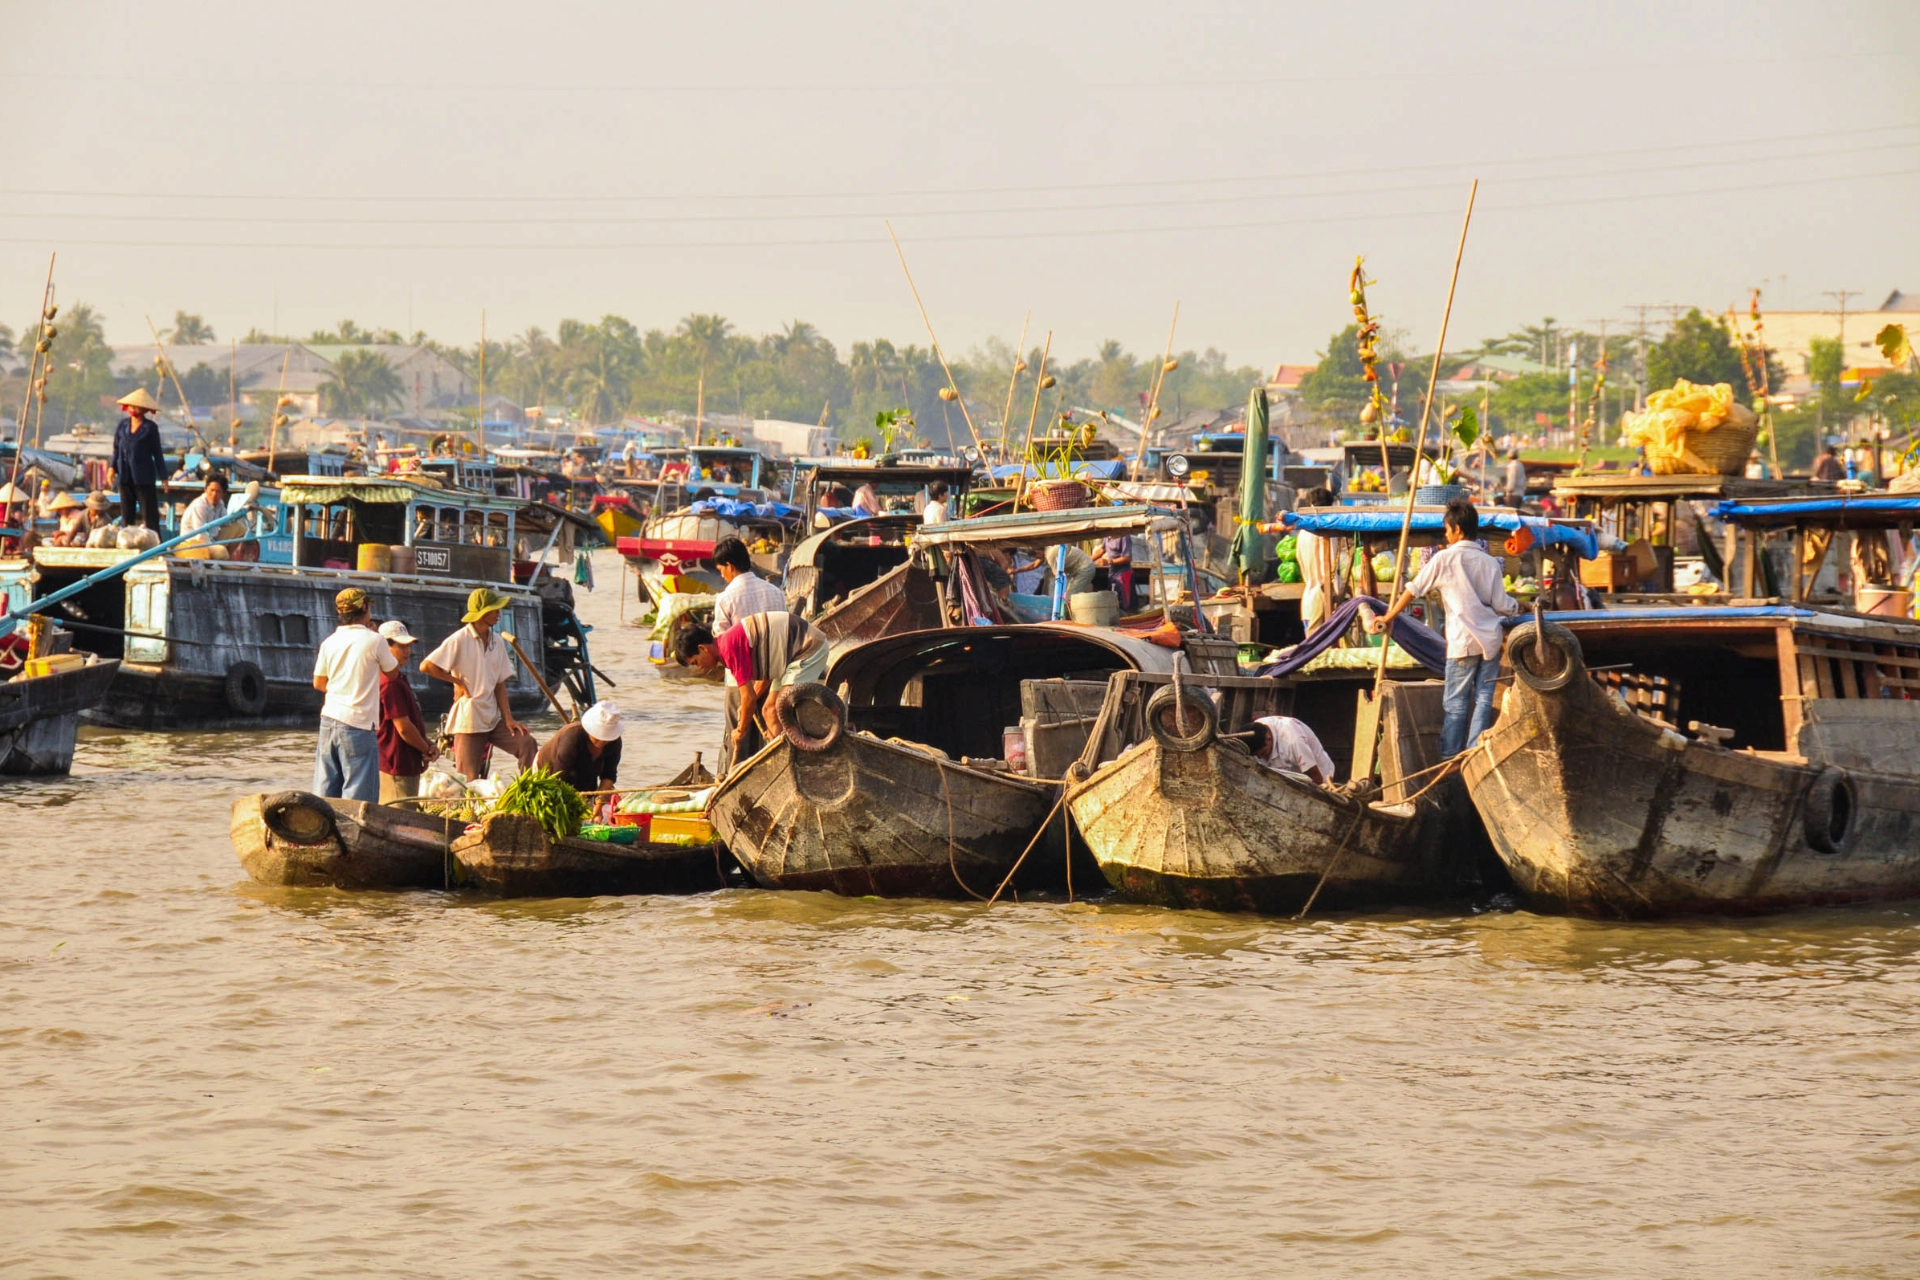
[{"x": 541, "y": 794}]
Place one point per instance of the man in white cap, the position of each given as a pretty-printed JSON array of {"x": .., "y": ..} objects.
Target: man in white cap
[
  {"x": 587, "y": 755},
  {"x": 474, "y": 661},
  {"x": 139, "y": 463},
  {"x": 347, "y": 670},
  {"x": 405, "y": 747}
]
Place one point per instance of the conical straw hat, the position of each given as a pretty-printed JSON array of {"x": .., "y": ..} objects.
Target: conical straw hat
[{"x": 139, "y": 399}]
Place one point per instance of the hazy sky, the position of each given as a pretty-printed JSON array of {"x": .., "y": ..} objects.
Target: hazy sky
[{"x": 406, "y": 164}]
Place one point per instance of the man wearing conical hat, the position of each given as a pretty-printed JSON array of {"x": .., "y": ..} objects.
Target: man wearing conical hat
[
  {"x": 139, "y": 463},
  {"x": 474, "y": 661}
]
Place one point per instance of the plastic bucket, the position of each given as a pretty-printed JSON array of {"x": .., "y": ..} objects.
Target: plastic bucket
[{"x": 1094, "y": 608}]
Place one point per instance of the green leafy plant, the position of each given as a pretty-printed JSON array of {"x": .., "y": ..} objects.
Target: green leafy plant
[{"x": 541, "y": 794}]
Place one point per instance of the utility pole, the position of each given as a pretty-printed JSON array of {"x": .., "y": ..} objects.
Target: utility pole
[
  {"x": 1640, "y": 346},
  {"x": 1841, "y": 296}
]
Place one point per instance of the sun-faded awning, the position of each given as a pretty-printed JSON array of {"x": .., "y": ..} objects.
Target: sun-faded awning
[{"x": 1043, "y": 528}]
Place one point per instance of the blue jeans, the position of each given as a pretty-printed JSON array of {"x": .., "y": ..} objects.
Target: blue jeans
[
  {"x": 1468, "y": 702},
  {"x": 348, "y": 763}
]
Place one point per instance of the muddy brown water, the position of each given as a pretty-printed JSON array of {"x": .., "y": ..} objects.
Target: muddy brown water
[{"x": 205, "y": 1076}]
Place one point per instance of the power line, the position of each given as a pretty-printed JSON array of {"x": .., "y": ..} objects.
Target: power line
[{"x": 1689, "y": 148}]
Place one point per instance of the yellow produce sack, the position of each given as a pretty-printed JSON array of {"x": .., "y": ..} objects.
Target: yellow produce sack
[{"x": 1676, "y": 419}]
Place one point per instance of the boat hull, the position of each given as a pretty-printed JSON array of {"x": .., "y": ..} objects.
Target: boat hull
[
  {"x": 1212, "y": 829},
  {"x": 870, "y": 817},
  {"x": 40, "y": 718},
  {"x": 1598, "y": 811},
  {"x": 510, "y": 856},
  {"x": 370, "y": 846}
]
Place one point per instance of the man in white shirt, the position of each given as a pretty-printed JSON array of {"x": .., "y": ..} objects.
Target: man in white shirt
[
  {"x": 347, "y": 671},
  {"x": 1470, "y": 585},
  {"x": 746, "y": 592},
  {"x": 1286, "y": 744},
  {"x": 209, "y": 508},
  {"x": 935, "y": 512},
  {"x": 475, "y": 662}
]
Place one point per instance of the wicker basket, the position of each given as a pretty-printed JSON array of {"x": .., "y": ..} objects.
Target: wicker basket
[
  {"x": 1439, "y": 495},
  {"x": 1059, "y": 495},
  {"x": 1724, "y": 450}
]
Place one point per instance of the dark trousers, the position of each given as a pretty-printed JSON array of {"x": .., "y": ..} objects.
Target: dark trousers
[
  {"x": 748, "y": 745},
  {"x": 140, "y": 504}
]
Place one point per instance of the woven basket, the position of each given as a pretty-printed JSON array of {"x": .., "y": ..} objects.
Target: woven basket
[
  {"x": 1059, "y": 495},
  {"x": 1724, "y": 450}
]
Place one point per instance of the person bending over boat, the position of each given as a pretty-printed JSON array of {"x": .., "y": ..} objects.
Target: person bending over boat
[
  {"x": 348, "y": 671},
  {"x": 586, "y": 755},
  {"x": 1286, "y": 744},
  {"x": 405, "y": 747},
  {"x": 139, "y": 463},
  {"x": 762, "y": 653},
  {"x": 1469, "y": 583},
  {"x": 474, "y": 661}
]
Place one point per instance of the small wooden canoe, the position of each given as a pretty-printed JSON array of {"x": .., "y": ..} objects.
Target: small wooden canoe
[
  {"x": 298, "y": 839},
  {"x": 511, "y": 856},
  {"x": 40, "y": 716}
]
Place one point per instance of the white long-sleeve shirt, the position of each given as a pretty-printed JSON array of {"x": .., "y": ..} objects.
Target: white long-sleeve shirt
[
  {"x": 1470, "y": 585},
  {"x": 745, "y": 596}
]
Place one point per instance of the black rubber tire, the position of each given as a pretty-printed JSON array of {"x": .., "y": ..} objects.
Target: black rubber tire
[
  {"x": 811, "y": 716},
  {"x": 1565, "y": 661},
  {"x": 298, "y": 817},
  {"x": 246, "y": 689},
  {"x": 1203, "y": 721},
  {"x": 1828, "y": 816}
]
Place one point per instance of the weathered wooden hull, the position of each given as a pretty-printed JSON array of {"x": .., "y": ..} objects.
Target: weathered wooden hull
[
  {"x": 1598, "y": 811},
  {"x": 371, "y": 846},
  {"x": 1212, "y": 829},
  {"x": 40, "y": 718},
  {"x": 866, "y": 817},
  {"x": 510, "y": 856},
  {"x": 903, "y": 599}
]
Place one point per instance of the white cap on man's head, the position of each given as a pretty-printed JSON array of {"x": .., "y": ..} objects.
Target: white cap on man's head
[
  {"x": 395, "y": 631},
  {"x": 602, "y": 721}
]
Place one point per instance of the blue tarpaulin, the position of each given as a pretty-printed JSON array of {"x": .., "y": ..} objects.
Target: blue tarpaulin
[
  {"x": 1547, "y": 533},
  {"x": 1886, "y": 508},
  {"x": 727, "y": 509}
]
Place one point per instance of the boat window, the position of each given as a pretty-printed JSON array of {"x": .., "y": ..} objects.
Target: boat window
[
  {"x": 147, "y": 621},
  {"x": 423, "y": 524},
  {"x": 448, "y": 528},
  {"x": 497, "y": 531}
]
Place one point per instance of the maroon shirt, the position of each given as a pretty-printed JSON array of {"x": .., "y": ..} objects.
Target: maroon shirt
[{"x": 398, "y": 759}]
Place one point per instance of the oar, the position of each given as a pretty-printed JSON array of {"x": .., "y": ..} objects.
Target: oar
[{"x": 534, "y": 671}]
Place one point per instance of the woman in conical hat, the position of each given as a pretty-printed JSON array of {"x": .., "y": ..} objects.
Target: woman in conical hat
[{"x": 139, "y": 463}]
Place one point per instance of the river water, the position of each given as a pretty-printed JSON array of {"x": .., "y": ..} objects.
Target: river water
[{"x": 201, "y": 1075}]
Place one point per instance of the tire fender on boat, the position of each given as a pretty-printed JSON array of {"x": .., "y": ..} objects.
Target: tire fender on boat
[
  {"x": 246, "y": 689},
  {"x": 298, "y": 817},
  {"x": 811, "y": 716},
  {"x": 1163, "y": 720},
  {"x": 1828, "y": 815},
  {"x": 1563, "y": 661}
]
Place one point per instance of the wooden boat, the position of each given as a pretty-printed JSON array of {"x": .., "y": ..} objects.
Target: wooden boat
[
  {"x": 856, "y": 581},
  {"x": 1185, "y": 817},
  {"x": 1794, "y": 783},
  {"x": 849, "y": 798},
  {"x": 298, "y": 839},
  {"x": 511, "y": 856},
  {"x": 1745, "y": 758},
  {"x": 40, "y": 716}
]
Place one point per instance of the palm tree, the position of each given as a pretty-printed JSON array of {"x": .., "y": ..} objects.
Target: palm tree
[
  {"x": 361, "y": 383},
  {"x": 188, "y": 330}
]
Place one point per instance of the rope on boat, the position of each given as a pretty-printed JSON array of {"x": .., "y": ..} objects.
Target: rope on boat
[
  {"x": 1332, "y": 862},
  {"x": 1044, "y": 824},
  {"x": 946, "y": 798},
  {"x": 1442, "y": 771}
]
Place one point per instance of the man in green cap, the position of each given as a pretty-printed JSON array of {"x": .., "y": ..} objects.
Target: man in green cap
[
  {"x": 474, "y": 660},
  {"x": 348, "y": 670}
]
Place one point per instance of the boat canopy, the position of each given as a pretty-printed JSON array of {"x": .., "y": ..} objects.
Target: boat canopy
[
  {"x": 1046, "y": 528},
  {"x": 1843, "y": 511},
  {"x": 1075, "y": 469},
  {"x": 1347, "y": 521},
  {"x": 1050, "y": 649},
  {"x": 1615, "y": 486}
]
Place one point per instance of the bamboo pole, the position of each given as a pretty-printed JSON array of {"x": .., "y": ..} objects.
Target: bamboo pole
[
  {"x": 168, "y": 370},
  {"x": 35, "y": 371},
  {"x": 1419, "y": 446},
  {"x": 1013, "y": 381},
  {"x": 273, "y": 441},
  {"x": 1153, "y": 398},
  {"x": 1039, "y": 381},
  {"x": 978, "y": 448}
]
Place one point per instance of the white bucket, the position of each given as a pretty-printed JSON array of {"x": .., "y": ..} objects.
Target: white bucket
[{"x": 1094, "y": 608}]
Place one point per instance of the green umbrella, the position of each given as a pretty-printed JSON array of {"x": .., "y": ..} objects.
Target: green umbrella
[{"x": 1249, "y": 547}]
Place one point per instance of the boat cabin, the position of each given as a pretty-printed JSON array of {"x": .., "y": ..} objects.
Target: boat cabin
[
  {"x": 1217, "y": 459},
  {"x": 1673, "y": 550},
  {"x": 901, "y": 487},
  {"x": 1845, "y": 551},
  {"x": 393, "y": 524}
]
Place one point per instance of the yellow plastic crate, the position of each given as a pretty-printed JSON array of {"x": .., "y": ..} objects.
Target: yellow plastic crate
[
  {"x": 680, "y": 828},
  {"x": 53, "y": 664}
]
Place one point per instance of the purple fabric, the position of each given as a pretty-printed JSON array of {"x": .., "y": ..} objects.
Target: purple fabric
[{"x": 1426, "y": 645}]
